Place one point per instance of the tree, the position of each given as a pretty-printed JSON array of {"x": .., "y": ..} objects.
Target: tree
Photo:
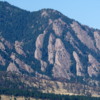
[
  {"x": 0, "y": 97},
  {"x": 15, "y": 98}
]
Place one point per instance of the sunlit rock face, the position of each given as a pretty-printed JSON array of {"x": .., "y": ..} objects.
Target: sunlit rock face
[
  {"x": 94, "y": 67},
  {"x": 2, "y": 47},
  {"x": 18, "y": 48},
  {"x": 83, "y": 36},
  {"x": 97, "y": 39},
  {"x": 62, "y": 61},
  {"x": 51, "y": 49},
  {"x": 58, "y": 26},
  {"x": 13, "y": 68},
  {"x": 79, "y": 67}
]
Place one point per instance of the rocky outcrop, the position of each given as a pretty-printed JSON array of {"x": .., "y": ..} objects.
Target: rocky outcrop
[
  {"x": 2, "y": 61},
  {"x": 94, "y": 67},
  {"x": 4, "y": 43},
  {"x": 38, "y": 51},
  {"x": 83, "y": 35},
  {"x": 22, "y": 66},
  {"x": 39, "y": 46},
  {"x": 51, "y": 49},
  {"x": 2, "y": 47},
  {"x": 43, "y": 66},
  {"x": 18, "y": 48},
  {"x": 97, "y": 39},
  {"x": 58, "y": 26},
  {"x": 62, "y": 61},
  {"x": 79, "y": 67},
  {"x": 12, "y": 68},
  {"x": 44, "y": 13}
]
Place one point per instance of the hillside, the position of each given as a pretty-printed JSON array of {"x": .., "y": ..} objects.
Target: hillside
[{"x": 48, "y": 52}]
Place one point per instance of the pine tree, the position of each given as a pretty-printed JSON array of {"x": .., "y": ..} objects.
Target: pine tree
[{"x": 0, "y": 97}]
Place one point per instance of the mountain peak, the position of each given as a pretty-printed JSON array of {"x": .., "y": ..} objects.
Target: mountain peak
[
  {"x": 50, "y": 10},
  {"x": 50, "y": 13},
  {"x": 4, "y": 3}
]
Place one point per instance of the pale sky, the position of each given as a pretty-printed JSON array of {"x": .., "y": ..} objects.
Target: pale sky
[{"x": 85, "y": 11}]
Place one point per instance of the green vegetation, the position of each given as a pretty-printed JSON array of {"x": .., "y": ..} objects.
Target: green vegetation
[{"x": 38, "y": 95}]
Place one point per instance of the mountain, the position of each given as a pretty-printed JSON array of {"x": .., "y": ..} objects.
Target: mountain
[{"x": 48, "y": 51}]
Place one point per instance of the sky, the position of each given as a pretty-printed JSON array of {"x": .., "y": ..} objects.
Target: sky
[{"x": 87, "y": 12}]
